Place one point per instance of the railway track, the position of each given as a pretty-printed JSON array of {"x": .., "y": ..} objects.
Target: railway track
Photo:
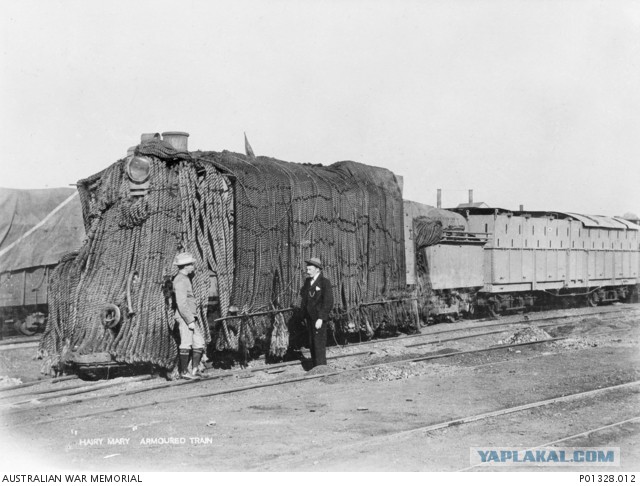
[
  {"x": 504, "y": 411},
  {"x": 481, "y": 323},
  {"x": 469, "y": 324},
  {"x": 39, "y": 396},
  {"x": 376, "y": 441},
  {"x": 8, "y": 342},
  {"x": 75, "y": 389},
  {"x": 206, "y": 394},
  {"x": 20, "y": 345}
]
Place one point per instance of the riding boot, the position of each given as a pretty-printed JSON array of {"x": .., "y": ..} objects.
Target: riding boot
[
  {"x": 197, "y": 356},
  {"x": 184, "y": 363}
]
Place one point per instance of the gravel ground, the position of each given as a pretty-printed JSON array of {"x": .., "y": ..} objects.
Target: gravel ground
[{"x": 357, "y": 420}]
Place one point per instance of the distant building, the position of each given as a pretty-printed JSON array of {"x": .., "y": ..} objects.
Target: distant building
[
  {"x": 631, "y": 217},
  {"x": 473, "y": 205}
]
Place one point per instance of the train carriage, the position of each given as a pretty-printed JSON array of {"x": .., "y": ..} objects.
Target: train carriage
[{"x": 531, "y": 257}]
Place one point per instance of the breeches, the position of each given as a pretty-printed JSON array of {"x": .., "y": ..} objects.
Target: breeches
[{"x": 189, "y": 338}]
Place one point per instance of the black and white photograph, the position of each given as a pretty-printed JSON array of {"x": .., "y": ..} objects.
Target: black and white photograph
[{"x": 312, "y": 237}]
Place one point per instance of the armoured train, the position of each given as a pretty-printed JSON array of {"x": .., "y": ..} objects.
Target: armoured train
[{"x": 252, "y": 221}]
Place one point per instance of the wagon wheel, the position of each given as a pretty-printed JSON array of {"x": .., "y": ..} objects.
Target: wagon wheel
[
  {"x": 494, "y": 309},
  {"x": 27, "y": 330},
  {"x": 625, "y": 297},
  {"x": 593, "y": 299},
  {"x": 22, "y": 328},
  {"x": 471, "y": 310}
]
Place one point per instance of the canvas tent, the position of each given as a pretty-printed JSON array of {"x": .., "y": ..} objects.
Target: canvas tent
[{"x": 37, "y": 227}]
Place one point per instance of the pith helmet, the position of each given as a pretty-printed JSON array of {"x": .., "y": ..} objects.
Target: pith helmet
[
  {"x": 315, "y": 261},
  {"x": 183, "y": 259}
]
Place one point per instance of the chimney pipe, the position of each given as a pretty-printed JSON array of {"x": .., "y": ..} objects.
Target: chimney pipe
[
  {"x": 177, "y": 139},
  {"x": 470, "y": 196},
  {"x": 439, "y": 198}
]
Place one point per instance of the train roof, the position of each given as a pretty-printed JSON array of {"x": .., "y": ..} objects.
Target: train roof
[{"x": 587, "y": 220}]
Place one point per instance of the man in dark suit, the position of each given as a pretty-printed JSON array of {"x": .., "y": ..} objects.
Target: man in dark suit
[{"x": 317, "y": 302}]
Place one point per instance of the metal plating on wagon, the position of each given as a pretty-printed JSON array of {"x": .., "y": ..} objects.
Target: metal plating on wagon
[
  {"x": 537, "y": 257},
  {"x": 251, "y": 222}
]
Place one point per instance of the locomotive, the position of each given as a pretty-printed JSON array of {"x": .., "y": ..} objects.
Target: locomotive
[{"x": 251, "y": 222}]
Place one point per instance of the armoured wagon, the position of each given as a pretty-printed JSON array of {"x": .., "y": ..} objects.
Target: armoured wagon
[{"x": 543, "y": 256}]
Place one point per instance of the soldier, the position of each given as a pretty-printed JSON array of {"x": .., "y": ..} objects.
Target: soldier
[
  {"x": 317, "y": 302},
  {"x": 191, "y": 338}
]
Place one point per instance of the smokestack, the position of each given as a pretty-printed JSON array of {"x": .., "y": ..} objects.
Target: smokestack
[
  {"x": 439, "y": 198},
  {"x": 470, "y": 196},
  {"x": 177, "y": 139}
]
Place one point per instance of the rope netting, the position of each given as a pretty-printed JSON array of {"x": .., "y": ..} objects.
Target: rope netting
[
  {"x": 250, "y": 224},
  {"x": 348, "y": 214}
]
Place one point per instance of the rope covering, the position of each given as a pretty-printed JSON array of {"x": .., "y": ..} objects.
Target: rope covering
[
  {"x": 161, "y": 149},
  {"x": 348, "y": 214},
  {"x": 426, "y": 232}
]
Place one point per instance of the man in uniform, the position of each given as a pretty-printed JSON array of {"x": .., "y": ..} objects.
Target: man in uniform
[
  {"x": 317, "y": 302},
  {"x": 191, "y": 338}
]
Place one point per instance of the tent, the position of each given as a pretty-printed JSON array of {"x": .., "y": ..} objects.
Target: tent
[{"x": 38, "y": 226}]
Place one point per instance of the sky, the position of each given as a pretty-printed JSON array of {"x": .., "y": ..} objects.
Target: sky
[{"x": 525, "y": 102}]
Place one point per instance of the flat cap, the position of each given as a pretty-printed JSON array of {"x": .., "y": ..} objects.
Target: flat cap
[{"x": 315, "y": 261}]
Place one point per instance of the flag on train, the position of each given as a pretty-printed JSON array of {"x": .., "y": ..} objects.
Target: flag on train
[{"x": 247, "y": 147}]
